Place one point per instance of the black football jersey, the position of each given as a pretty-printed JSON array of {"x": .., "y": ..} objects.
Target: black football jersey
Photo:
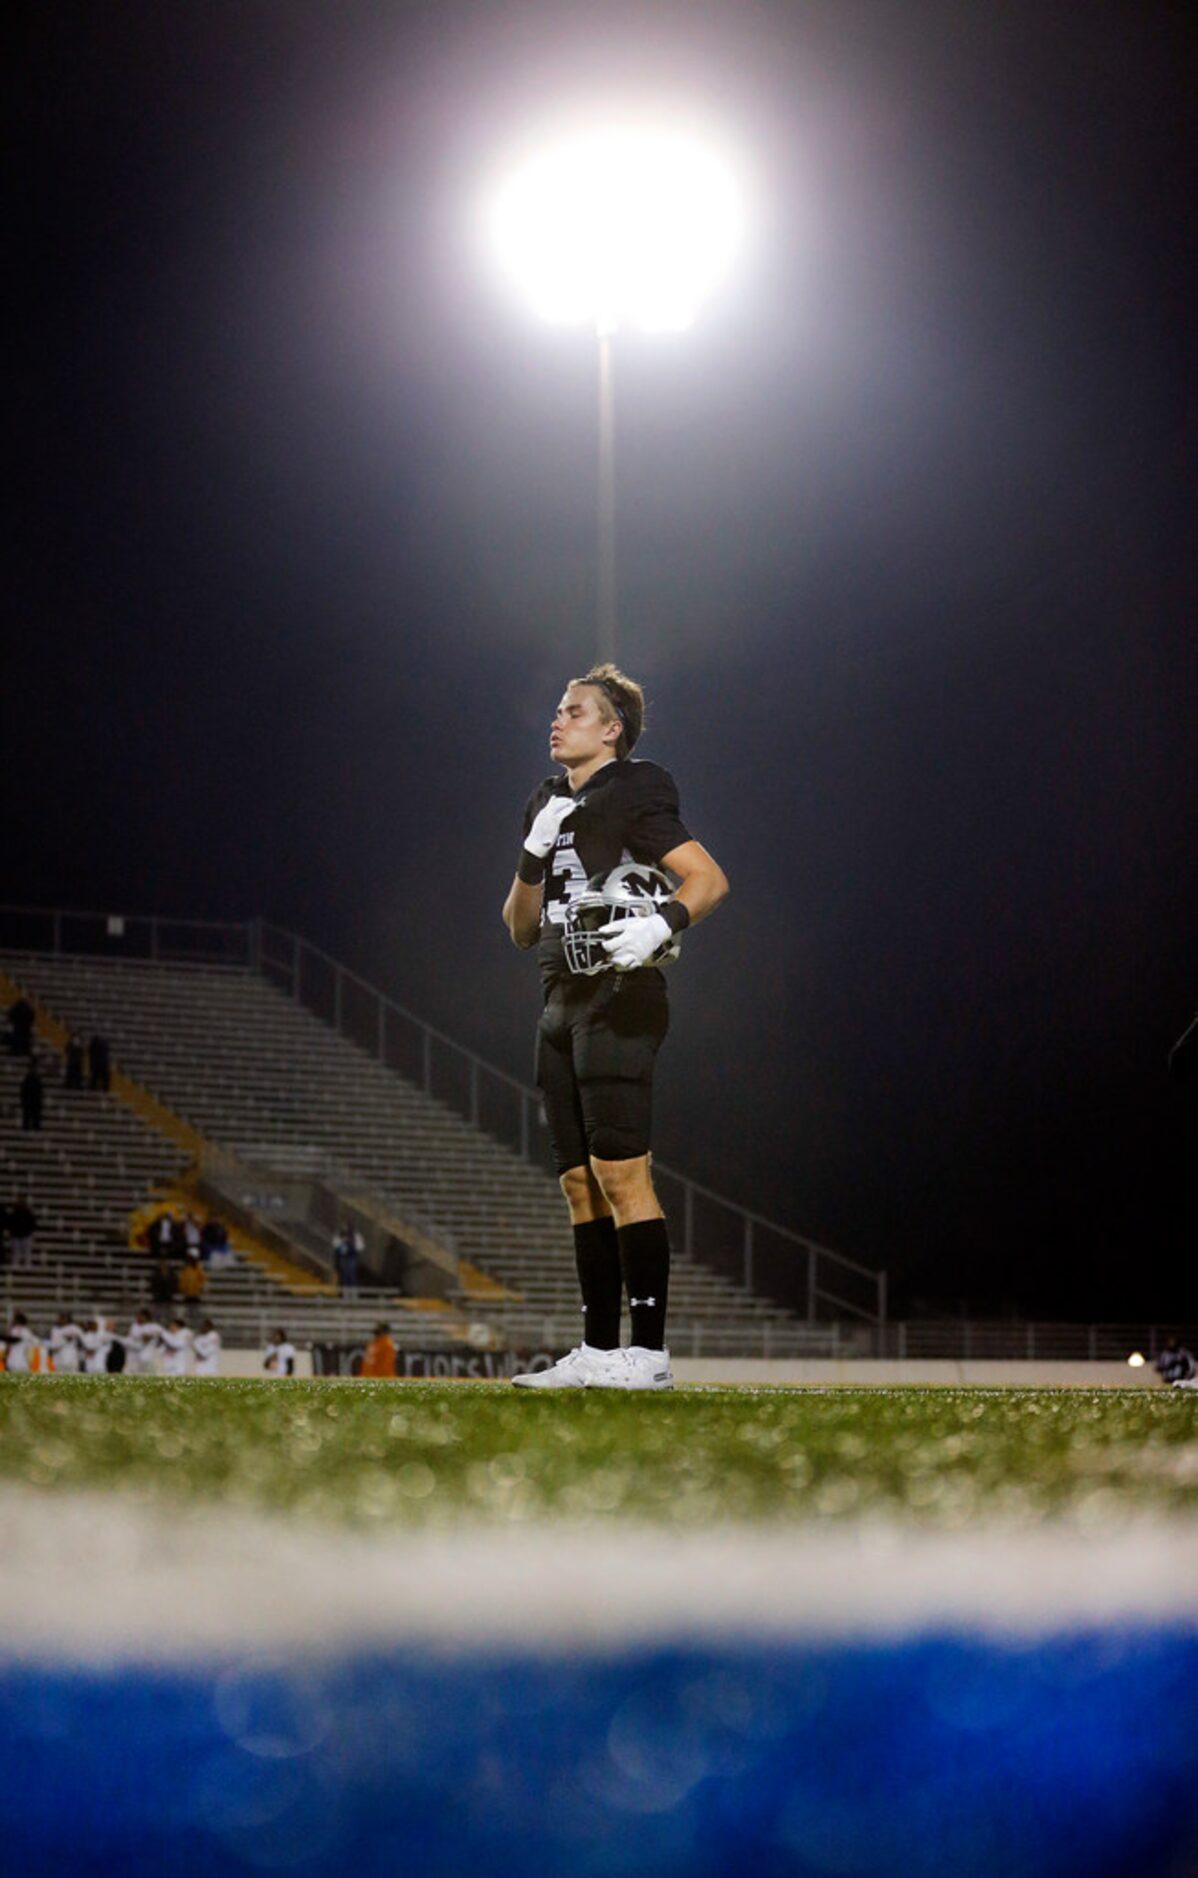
[{"x": 628, "y": 811}]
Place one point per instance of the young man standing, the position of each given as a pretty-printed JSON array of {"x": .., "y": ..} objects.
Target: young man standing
[{"x": 598, "y": 1036}]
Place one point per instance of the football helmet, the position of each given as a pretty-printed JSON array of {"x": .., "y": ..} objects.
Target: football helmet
[{"x": 629, "y": 891}]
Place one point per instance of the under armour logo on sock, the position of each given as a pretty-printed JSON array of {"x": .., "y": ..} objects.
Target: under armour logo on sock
[{"x": 633, "y": 1302}]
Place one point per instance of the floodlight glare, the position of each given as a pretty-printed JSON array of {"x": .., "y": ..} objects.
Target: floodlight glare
[{"x": 619, "y": 225}]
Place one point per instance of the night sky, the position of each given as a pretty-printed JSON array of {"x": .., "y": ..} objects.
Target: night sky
[{"x": 305, "y": 552}]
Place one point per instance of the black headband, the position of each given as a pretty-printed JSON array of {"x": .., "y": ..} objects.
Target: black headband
[{"x": 605, "y": 687}]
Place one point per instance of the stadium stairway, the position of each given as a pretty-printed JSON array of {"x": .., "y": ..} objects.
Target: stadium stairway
[
  {"x": 88, "y": 1166},
  {"x": 255, "y": 1072}
]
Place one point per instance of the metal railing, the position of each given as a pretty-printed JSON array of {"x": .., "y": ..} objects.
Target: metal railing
[
  {"x": 1014, "y": 1340},
  {"x": 809, "y": 1279},
  {"x": 133, "y": 936},
  {"x": 769, "y": 1341},
  {"x": 744, "y": 1246}
]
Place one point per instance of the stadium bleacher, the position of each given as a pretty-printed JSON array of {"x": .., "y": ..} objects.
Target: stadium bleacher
[{"x": 264, "y": 1079}]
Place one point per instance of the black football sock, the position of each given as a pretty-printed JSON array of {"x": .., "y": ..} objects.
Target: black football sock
[
  {"x": 645, "y": 1257},
  {"x": 597, "y": 1258}
]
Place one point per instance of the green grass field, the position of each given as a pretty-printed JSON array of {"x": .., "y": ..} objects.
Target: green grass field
[{"x": 377, "y": 1454}]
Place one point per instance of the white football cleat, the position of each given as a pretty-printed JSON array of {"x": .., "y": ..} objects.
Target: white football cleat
[
  {"x": 633, "y": 1368},
  {"x": 569, "y": 1372}
]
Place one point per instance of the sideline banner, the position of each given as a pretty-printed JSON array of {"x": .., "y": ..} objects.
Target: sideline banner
[{"x": 345, "y": 1359}]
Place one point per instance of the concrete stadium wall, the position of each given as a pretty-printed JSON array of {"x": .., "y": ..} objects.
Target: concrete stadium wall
[
  {"x": 862, "y": 1373},
  {"x": 856, "y": 1374},
  {"x": 249, "y": 1363}
]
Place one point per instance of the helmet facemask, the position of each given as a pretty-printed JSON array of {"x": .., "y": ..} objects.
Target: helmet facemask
[{"x": 630, "y": 891}]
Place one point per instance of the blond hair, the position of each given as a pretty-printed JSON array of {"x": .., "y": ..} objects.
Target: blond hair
[{"x": 620, "y": 700}]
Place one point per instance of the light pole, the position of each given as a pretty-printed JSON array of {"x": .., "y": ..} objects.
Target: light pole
[
  {"x": 605, "y": 638},
  {"x": 613, "y": 224}
]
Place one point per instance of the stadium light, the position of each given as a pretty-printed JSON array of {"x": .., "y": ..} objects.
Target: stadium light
[
  {"x": 618, "y": 224},
  {"x": 612, "y": 224}
]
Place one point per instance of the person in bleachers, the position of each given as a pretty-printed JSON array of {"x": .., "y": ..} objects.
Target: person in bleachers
[
  {"x": 142, "y": 1344},
  {"x": 21, "y": 1016},
  {"x": 348, "y": 1248},
  {"x": 164, "y": 1287},
  {"x": 279, "y": 1356},
  {"x": 214, "y": 1243},
  {"x": 22, "y": 1352},
  {"x": 379, "y": 1356},
  {"x": 207, "y": 1349},
  {"x": 63, "y": 1345},
  {"x": 99, "y": 1063},
  {"x": 162, "y": 1235},
  {"x": 192, "y": 1236},
  {"x": 176, "y": 1343},
  {"x": 96, "y": 1339},
  {"x": 72, "y": 1075},
  {"x": 22, "y": 1224},
  {"x": 32, "y": 1095},
  {"x": 192, "y": 1279}
]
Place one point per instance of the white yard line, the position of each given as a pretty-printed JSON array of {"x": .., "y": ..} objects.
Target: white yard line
[{"x": 96, "y": 1578}]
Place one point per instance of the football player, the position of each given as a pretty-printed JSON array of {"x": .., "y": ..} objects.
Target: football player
[
  {"x": 600, "y": 1031},
  {"x": 143, "y": 1344},
  {"x": 278, "y": 1358},
  {"x": 206, "y": 1346},
  {"x": 176, "y": 1341},
  {"x": 95, "y": 1340},
  {"x": 63, "y": 1345},
  {"x": 24, "y": 1352}
]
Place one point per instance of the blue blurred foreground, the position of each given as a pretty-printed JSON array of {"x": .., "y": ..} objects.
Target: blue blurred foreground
[{"x": 906, "y": 1759}]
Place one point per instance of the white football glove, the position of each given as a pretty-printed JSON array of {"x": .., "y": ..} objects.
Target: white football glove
[
  {"x": 547, "y": 825},
  {"x": 632, "y": 942}
]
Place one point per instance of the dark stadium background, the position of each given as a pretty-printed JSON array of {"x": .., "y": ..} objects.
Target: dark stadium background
[{"x": 304, "y": 553}]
